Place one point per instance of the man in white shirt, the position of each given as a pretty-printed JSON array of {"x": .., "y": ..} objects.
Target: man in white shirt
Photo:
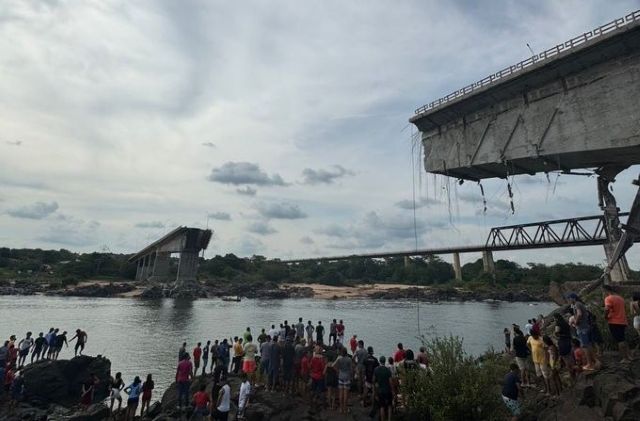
[
  {"x": 24, "y": 346},
  {"x": 273, "y": 331},
  {"x": 243, "y": 399},
  {"x": 223, "y": 406}
]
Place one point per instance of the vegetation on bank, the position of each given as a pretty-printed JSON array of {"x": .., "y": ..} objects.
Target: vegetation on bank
[
  {"x": 62, "y": 267},
  {"x": 457, "y": 386}
]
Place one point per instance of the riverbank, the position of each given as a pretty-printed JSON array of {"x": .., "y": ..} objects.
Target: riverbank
[{"x": 270, "y": 290}]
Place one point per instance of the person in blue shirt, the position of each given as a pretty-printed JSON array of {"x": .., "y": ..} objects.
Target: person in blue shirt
[{"x": 133, "y": 390}]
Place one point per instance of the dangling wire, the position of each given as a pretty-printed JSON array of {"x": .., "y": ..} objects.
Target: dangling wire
[
  {"x": 484, "y": 199},
  {"x": 415, "y": 224}
]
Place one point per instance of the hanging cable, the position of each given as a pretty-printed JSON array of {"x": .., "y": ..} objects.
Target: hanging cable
[{"x": 415, "y": 226}]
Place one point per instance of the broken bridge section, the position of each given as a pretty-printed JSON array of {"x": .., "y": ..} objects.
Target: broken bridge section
[
  {"x": 153, "y": 260},
  {"x": 573, "y": 106}
]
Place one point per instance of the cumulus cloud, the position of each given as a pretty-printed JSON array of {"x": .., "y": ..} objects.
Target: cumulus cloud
[
  {"x": 150, "y": 224},
  {"x": 261, "y": 228},
  {"x": 241, "y": 173},
  {"x": 280, "y": 211},
  {"x": 322, "y": 176},
  {"x": 420, "y": 203},
  {"x": 247, "y": 191},
  {"x": 37, "y": 210}
]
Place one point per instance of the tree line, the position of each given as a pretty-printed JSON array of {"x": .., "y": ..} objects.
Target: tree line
[{"x": 73, "y": 267}]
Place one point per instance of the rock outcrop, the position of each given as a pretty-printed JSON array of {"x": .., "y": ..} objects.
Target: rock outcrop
[
  {"x": 60, "y": 382},
  {"x": 97, "y": 290}
]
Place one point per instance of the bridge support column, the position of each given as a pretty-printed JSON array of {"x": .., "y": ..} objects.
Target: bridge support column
[
  {"x": 606, "y": 175},
  {"x": 487, "y": 262},
  {"x": 407, "y": 260},
  {"x": 457, "y": 269}
]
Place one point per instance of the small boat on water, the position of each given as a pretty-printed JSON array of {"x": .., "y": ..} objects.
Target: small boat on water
[{"x": 234, "y": 298}]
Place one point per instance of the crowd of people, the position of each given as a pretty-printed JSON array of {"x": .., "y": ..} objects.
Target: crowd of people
[
  {"x": 14, "y": 356},
  {"x": 293, "y": 360},
  {"x": 574, "y": 345}
]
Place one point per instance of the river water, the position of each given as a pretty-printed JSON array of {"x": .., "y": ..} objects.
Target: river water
[{"x": 141, "y": 336}]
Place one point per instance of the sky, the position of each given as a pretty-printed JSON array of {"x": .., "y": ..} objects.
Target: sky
[{"x": 281, "y": 125}]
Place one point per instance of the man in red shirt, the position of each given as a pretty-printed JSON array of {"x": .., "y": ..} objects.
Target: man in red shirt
[
  {"x": 184, "y": 374},
  {"x": 614, "y": 312},
  {"x": 398, "y": 357},
  {"x": 197, "y": 353},
  {"x": 340, "y": 331},
  {"x": 353, "y": 343},
  {"x": 316, "y": 369},
  {"x": 201, "y": 402}
]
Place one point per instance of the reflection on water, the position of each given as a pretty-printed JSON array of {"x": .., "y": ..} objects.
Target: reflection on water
[{"x": 143, "y": 336}]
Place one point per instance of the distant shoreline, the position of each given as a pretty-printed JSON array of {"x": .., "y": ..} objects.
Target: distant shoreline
[{"x": 380, "y": 291}]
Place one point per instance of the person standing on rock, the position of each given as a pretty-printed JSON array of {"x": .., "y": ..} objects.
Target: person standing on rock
[
  {"x": 300, "y": 329},
  {"x": 333, "y": 334},
  {"x": 275, "y": 353},
  {"x": 38, "y": 348},
  {"x": 133, "y": 390},
  {"x": 563, "y": 335},
  {"x": 246, "y": 334},
  {"x": 522, "y": 355},
  {"x": 81, "y": 340},
  {"x": 147, "y": 390},
  {"x": 183, "y": 378},
  {"x": 382, "y": 389},
  {"x": 47, "y": 344},
  {"x": 61, "y": 340},
  {"x": 288, "y": 358},
  {"x": 262, "y": 338},
  {"x": 201, "y": 403},
  {"x": 583, "y": 329},
  {"x": 249, "y": 363},
  {"x": 213, "y": 354},
  {"x": 88, "y": 388},
  {"x": 320, "y": 332},
  {"x": 53, "y": 343},
  {"x": 614, "y": 312},
  {"x": 25, "y": 345},
  {"x": 344, "y": 365},
  {"x": 317, "y": 372},
  {"x": 223, "y": 358},
  {"x": 243, "y": 396},
  {"x": 205, "y": 357},
  {"x": 223, "y": 404},
  {"x": 197, "y": 354},
  {"x": 182, "y": 351},
  {"x": 340, "y": 331},
  {"x": 116, "y": 385},
  {"x": 310, "y": 329}
]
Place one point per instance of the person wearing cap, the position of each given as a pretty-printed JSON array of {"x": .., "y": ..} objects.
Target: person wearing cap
[
  {"x": 614, "y": 312},
  {"x": 583, "y": 329}
]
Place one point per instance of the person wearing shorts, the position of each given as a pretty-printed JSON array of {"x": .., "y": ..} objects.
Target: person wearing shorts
[
  {"x": 331, "y": 382},
  {"x": 511, "y": 391},
  {"x": 538, "y": 356},
  {"x": 147, "y": 390},
  {"x": 614, "y": 309},
  {"x": 116, "y": 385},
  {"x": 249, "y": 362},
  {"x": 583, "y": 329},
  {"x": 184, "y": 374},
  {"x": 522, "y": 354},
  {"x": 25, "y": 345},
  {"x": 382, "y": 389},
  {"x": 344, "y": 365},
  {"x": 38, "y": 347}
]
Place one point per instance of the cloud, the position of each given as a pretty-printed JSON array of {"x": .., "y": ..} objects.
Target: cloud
[
  {"x": 247, "y": 191},
  {"x": 209, "y": 144},
  {"x": 150, "y": 224},
  {"x": 247, "y": 246},
  {"x": 280, "y": 211},
  {"x": 71, "y": 231},
  {"x": 261, "y": 227},
  {"x": 375, "y": 231},
  {"x": 420, "y": 203},
  {"x": 37, "y": 210},
  {"x": 241, "y": 173},
  {"x": 321, "y": 176},
  {"x": 220, "y": 216},
  {"x": 306, "y": 240},
  {"x": 14, "y": 142}
]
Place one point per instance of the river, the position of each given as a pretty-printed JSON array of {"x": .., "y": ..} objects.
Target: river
[{"x": 141, "y": 336}]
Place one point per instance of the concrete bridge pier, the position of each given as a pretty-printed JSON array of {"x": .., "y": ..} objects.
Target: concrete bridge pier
[
  {"x": 487, "y": 262},
  {"x": 457, "y": 269}
]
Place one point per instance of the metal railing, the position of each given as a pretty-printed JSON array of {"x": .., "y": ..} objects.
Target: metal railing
[{"x": 536, "y": 58}]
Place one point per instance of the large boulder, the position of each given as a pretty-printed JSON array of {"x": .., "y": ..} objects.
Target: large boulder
[{"x": 61, "y": 381}]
